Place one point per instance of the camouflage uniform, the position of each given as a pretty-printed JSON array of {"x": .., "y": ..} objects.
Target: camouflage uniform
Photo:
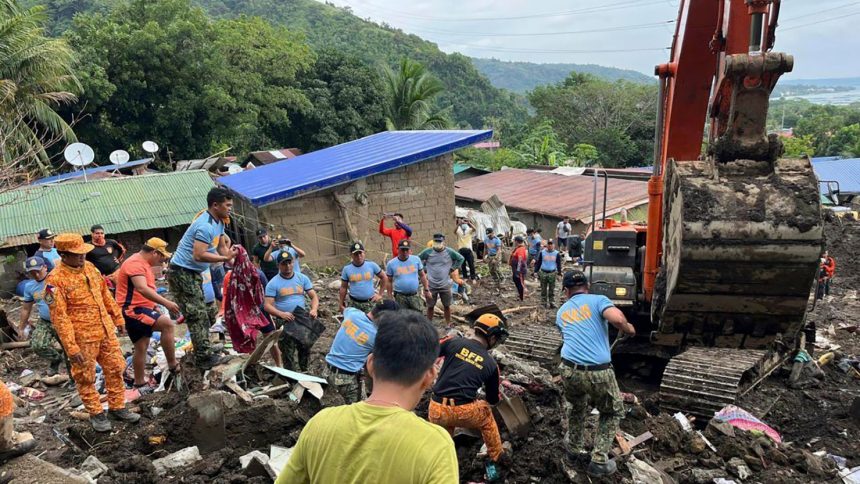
[
  {"x": 364, "y": 307},
  {"x": 348, "y": 386},
  {"x": 186, "y": 288},
  {"x": 42, "y": 341},
  {"x": 414, "y": 302},
  {"x": 296, "y": 357},
  {"x": 584, "y": 389},
  {"x": 493, "y": 264},
  {"x": 547, "y": 286}
]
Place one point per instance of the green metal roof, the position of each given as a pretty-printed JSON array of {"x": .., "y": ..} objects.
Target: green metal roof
[
  {"x": 461, "y": 167},
  {"x": 124, "y": 204}
]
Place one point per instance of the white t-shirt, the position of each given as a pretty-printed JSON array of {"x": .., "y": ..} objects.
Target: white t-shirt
[{"x": 563, "y": 230}]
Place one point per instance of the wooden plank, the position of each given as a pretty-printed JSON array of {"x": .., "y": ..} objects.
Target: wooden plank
[
  {"x": 263, "y": 346},
  {"x": 632, "y": 443},
  {"x": 14, "y": 345},
  {"x": 239, "y": 391},
  {"x": 622, "y": 443}
]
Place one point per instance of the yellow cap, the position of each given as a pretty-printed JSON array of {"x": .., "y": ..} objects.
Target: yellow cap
[{"x": 159, "y": 246}]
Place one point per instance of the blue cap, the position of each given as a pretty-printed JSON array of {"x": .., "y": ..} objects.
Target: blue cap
[{"x": 35, "y": 263}]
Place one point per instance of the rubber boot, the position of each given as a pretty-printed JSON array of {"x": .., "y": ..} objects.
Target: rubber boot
[{"x": 596, "y": 469}]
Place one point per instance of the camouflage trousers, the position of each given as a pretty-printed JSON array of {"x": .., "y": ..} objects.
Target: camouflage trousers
[
  {"x": 42, "y": 341},
  {"x": 410, "y": 301},
  {"x": 584, "y": 390},
  {"x": 348, "y": 386},
  {"x": 363, "y": 306},
  {"x": 186, "y": 289},
  {"x": 295, "y": 355},
  {"x": 493, "y": 265},
  {"x": 547, "y": 286}
]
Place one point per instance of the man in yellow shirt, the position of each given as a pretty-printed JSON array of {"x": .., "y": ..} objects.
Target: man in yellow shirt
[{"x": 380, "y": 440}]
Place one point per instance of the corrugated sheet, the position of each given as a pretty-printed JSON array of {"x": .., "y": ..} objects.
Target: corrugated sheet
[
  {"x": 96, "y": 169},
  {"x": 120, "y": 204},
  {"x": 844, "y": 171},
  {"x": 346, "y": 162},
  {"x": 551, "y": 194}
]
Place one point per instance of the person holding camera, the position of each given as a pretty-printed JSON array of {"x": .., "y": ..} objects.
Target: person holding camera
[
  {"x": 285, "y": 245},
  {"x": 399, "y": 232}
]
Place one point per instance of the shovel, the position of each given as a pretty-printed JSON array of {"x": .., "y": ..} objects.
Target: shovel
[{"x": 515, "y": 414}]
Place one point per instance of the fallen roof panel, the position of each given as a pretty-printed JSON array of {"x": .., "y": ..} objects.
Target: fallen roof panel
[
  {"x": 346, "y": 162},
  {"x": 89, "y": 171}
]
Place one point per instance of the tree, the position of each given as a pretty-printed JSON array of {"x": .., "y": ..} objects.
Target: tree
[
  {"x": 36, "y": 77},
  {"x": 542, "y": 146},
  {"x": 615, "y": 117},
  {"x": 410, "y": 94},
  {"x": 798, "y": 146},
  {"x": 584, "y": 154},
  {"x": 845, "y": 141},
  {"x": 162, "y": 70}
]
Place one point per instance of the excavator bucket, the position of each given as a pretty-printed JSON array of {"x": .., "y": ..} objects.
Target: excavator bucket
[{"x": 741, "y": 246}]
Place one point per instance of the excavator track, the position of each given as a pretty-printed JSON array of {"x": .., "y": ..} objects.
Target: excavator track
[
  {"x": 701, "y": 381},
  {"x": 537, "y": 344}
]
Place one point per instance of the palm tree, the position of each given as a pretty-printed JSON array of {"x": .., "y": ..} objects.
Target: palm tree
[
  {"x": 410, "y": 92},
  {"x": 35, "y": 78}
]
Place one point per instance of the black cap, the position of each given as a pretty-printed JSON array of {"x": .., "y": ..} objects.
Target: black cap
[
  {"x": 261, "y": 232},
  {"x": 285, "y": 256},
  {"x": 404, "y": 244},
  {"x": 530, "y": 231},
  {"x": 385, "y": 305},
  {"x": 356, "y": 247},
  {"x": 519, "y": 238},
  {"x": 438, "y": 237},
  {"x": 574, "y": 279},
  {"x": 489, "y": 230},
  {"x": 45, "y": 234}
]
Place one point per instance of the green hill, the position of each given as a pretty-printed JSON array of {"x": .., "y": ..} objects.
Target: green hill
[{"x": 522, "y": 77}]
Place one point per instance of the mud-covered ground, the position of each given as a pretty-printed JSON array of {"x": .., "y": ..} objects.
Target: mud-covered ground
[{"x": 812, "y": 419}]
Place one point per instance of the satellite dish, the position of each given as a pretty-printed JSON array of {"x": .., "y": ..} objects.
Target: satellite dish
[
  {"x": 150, "y": 146},
  {"x": 119, "y": 157},
  {"x": 79, "y": 154}
]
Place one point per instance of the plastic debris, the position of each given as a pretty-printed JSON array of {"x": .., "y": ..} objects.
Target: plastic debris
[
  {"x": 741, "y": 419},
  {"x": 177, "y": 460},
  {"x": 685, "y": 423},
  {"x": 31, "y": 394},
  {"x": 246, "y": 459},
  {"x": 278, "y": 457}
]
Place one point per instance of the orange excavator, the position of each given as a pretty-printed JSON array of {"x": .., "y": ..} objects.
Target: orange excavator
[{"x": 720, "y": 276}]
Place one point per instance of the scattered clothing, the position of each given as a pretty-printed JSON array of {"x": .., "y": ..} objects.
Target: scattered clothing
[{"x": 382, "y": 444}]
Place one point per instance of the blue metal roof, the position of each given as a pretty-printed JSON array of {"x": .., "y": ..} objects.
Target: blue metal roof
[
  {"x": 346, "y": 162},
  {"x": 844, "y": 171},
  {"x": 98, "y": 169}
]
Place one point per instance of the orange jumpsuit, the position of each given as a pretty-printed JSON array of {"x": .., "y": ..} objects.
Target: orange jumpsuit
[
  {"x": 7, "y": 406},
  {"x": 85, "y": 316}
]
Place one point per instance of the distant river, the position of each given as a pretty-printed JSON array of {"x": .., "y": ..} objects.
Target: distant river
[{"x": 840, "y": 98}]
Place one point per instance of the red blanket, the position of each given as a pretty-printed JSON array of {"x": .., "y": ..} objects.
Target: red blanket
[{"x": 243, "y": 297}]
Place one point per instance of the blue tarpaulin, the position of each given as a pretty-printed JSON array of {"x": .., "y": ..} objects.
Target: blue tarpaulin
[{"x": 346, "y": 162}]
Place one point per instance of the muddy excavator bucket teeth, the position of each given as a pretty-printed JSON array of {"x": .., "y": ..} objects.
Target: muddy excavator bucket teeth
[{"x": 740, "y": 251}]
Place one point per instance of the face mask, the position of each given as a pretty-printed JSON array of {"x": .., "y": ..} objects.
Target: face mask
[
  {"x": 823, "y": 259},
  {"x": 464, "y": 227}
]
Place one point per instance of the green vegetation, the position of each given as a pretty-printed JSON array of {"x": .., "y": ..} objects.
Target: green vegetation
[
  {"x": 825, "y": 130},
  {"x": 36, "y": 78},
  {"x": 521, "y": 77},
  {"x": 409, "y": 98}
]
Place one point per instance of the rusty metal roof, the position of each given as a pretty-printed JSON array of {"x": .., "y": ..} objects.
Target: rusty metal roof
[{"x": 552, "y": 194}]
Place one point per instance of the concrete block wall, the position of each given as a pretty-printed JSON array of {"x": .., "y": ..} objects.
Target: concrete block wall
[{"x": 422, "y": 192}]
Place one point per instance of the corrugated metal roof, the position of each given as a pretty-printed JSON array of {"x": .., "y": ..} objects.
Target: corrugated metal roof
[
  {"x": 96, "y": 169},
  {"x": 461, "y": 167},
  {"x": 552, "y": 194},
  {"x": 844, "y": 171},
  {"x": 120, "y": 204},
  {"x": 346, "y": 162},
  {"x": 271, "y": 156}
]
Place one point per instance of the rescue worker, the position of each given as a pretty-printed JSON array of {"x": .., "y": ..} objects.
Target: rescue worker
[
  {"x": 441, "y": 262},
  {"x": 350, "y": 348},
  {"x": 284, "y": 293},
  {"x": 586, "y": 370},
  {"x": 534, "y": 244},
  {"x": 549, "y": 264},
  {"x": 43, "y": 337},
  {"x": 825, "y": 273},
  {"x": 405, "y": 275},
  {"x": 467, "y": 367},
  {"x": 492, "y": 247},
  {"x": 465, "y": 233},
  {"x": 46, "y": 248},
  {"x": 356, "y": 280},
  {"x": 12, "y": 444},
  {"x": 86, "y": 317},
  {"x": 137, "y": 295},
  {"x": 202, "y": 244},
  {"x": 519, "y": 265}
]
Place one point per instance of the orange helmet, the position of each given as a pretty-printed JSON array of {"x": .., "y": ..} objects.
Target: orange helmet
[{"x": 490, "y": 325}]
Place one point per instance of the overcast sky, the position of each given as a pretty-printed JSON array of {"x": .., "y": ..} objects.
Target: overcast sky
[{"x": 821, "y": 34}]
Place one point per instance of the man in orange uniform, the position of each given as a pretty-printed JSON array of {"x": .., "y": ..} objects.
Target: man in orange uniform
[
  {"x": 86, "y": 318},
  {"x": 12, "y": 444}
]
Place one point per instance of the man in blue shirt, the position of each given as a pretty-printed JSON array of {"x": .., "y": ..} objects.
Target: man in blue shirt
[
  {"x": 202, "y": 244},
  {"x": 46, "y": 248},
  {"x": 284, "y": 293},
  {"x": 492, "y": 247},
  {"x": 356, "y": 279},
  {"x": 405, "y": 274},
  {"x": 586, "y": 370},
  {"x": 285, "y": 245},
  {"x": 43, "y": 338},
  {"x": 548, "y": 265},
  {"x": 350, "y": 348}
]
